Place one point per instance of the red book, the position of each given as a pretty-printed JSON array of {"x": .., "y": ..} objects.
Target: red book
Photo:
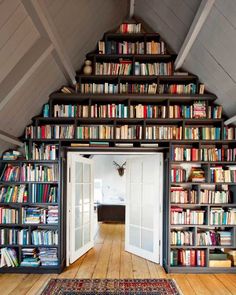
[
  {"x": 202, "y": 257},
  {"x": 45, "y": 193},
  {"x": 192, "y": 258}
]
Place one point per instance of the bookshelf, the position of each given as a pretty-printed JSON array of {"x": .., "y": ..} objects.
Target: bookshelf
[
  {"x": 31, "y": 187},
  {"x": 134, "y": 98}
]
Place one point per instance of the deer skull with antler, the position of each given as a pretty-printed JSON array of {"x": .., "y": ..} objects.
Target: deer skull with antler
[{"x": 120, "y": 168}]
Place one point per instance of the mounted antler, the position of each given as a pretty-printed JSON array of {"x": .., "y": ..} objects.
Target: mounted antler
[{"x": 121, "y": 168}]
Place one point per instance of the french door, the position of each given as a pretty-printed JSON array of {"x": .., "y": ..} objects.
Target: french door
[
  {"x": 143, "y": 224},
  {"x": 80, "y": 206}
]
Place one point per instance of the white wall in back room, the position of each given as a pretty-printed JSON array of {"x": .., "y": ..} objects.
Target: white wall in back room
[{"x": 113, "y": 185}]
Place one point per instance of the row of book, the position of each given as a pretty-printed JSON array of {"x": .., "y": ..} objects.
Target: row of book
[
  {"x": 69, "y": 110},
  {"x": 36, "y": 215},
  {"x": 22, "y": 237},
  {"x": 148, "y": 88},
  {"x": 218, "y": 216},
  {"x": 130, "y": 28},
  {"x": 178, "y": 195},
  {"x": 123, "y": 47},
  {"x": 186, "y": 216},
  {"x": 204, "y": 133},
  {"x": 43, "y": 193},
  {"x": 123, "y": 111},
  {"x": 181, "y": 257},
  {"x": 31, "y": 257},
  {"x": 124, "y": 67},
  {"x": 163, "y": 132},
  {"x": 214, "y": 238},
  {"x": 8, "y": 215},
  {"x": 127, "y": 47},
  {"x": 29, "y": 172},
  {"x": 203, "y": 154},
  {"x": 198, "y": 110},
  {"x": 223, "y": 174},
  {"x": 178, "y": 174},
  {"x": 181, "y": 238},
  {"x": 149, "y": 69},
  {"x": 214, "y": 197},
  {"x": 14, "y": 194},
  {"x": 43, "y": 152}
]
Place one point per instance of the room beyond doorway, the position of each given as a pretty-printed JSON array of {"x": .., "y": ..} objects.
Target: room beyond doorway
[{"x": 140, "y": 192}]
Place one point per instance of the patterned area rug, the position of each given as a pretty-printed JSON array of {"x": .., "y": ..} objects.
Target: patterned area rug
[{"x": 115, "y": 287}]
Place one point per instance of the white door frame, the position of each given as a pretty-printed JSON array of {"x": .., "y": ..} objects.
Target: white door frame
[{"x": 82, "y": 153}]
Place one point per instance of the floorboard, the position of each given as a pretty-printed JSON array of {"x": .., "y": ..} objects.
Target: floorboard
[{"x": 108, "y": 259}]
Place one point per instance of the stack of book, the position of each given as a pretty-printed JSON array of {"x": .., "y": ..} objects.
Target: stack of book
[
  {"x": 147, "y": 111},
  {"x": 120, "y": 47},
  {"x": 105, "y": 88},
  {"x": 52, "y": 215},
  {"x": 11, "y": 155},
  {"x": 215, "y": 112},
  {"x": 8, "y": 257},
  {"x": 214, "y": 238},
  {"x": 70, "y": 111},
  {"x": 129, "y": 132},
  {"x": 199, "y": 109},
  {"x": 217, "y": 258},
  {"x": 197, "y": 174},
  {"x": 48, "y": 256},
  {"x": 30, "y": 257},
  {"x": 94, "y": 132},
  {"x": 34, "y": 215}
]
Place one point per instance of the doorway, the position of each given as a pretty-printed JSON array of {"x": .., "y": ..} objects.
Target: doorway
[{"x": 143, "y": 201}]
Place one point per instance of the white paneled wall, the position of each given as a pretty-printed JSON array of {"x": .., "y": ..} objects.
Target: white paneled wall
[
  {"x": 171, "y": 19},
  {"x": 81, "y": 24},
  {"x": 17, "y": 35},
  {"x": 30, "y": 98},
  {"x": 213, "y": 56}
]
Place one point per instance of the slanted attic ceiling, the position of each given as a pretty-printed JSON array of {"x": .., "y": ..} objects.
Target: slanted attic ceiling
[
  {"x": 79, "y": 24},
  {"x": 213, "y": 55}
]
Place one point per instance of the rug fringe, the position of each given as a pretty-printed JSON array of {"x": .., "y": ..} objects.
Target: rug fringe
[{"x": 178, "y": 288}]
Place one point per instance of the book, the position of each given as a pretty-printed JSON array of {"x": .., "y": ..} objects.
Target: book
[{"x": 220, "y": 263}]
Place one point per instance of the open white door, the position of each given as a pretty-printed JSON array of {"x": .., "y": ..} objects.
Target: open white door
[
  {"x": 143, "y": 224},
  {"x": 80, "y": 206}
]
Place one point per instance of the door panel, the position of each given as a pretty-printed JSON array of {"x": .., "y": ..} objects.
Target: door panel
[
  {"x": 80, "y": 206},
  {"x": 143, "y": 206}
]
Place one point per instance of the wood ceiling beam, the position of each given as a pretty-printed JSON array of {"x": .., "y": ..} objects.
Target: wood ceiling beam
[
  {"x": 23, "y": 70},
  {"x": 10, "y": 139},
  {"x": 45, "y": 26},
  {"x": 230, "y": 120},
  {"x": 199, "y": 19}
]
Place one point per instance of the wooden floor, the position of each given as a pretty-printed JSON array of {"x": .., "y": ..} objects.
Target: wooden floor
[{"x": 109, "y": 260}]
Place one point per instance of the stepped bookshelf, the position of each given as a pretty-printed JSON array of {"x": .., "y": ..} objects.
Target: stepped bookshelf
[{"x": 133, "y": 100}]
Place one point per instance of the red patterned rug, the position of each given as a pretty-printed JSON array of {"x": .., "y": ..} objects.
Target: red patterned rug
[{"x": 107, "y": 287}]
